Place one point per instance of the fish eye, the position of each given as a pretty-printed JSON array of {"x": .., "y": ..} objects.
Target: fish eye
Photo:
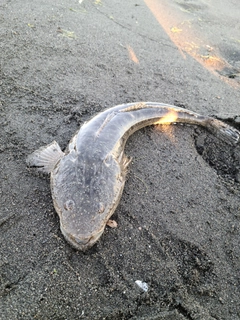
[
  {"x": 101, "y": 207},
  {"x": 69, "y": 205}
]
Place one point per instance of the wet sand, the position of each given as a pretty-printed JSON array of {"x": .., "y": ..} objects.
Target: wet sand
[{"x": 178, "y": 219}]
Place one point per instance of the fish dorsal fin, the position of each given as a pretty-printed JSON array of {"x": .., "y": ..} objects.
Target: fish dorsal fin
[
  {"x": 137, "y": 106},
  {"x": 45, "y": 158},
  {"x": 105, "y": 122}
]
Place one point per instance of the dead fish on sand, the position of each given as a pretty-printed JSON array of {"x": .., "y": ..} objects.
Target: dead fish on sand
[{"x": 87, "y": 179}]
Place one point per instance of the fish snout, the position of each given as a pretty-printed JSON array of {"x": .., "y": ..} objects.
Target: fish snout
[{"x": 82, "y": 243}]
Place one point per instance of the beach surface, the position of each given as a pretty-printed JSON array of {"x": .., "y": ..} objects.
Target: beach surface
[{"x": 178, "y": 220}]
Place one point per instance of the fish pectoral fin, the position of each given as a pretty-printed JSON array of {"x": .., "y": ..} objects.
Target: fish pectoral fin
[
  {"x": 126, "y": 161},
  {"x": 45, "y": 158}
]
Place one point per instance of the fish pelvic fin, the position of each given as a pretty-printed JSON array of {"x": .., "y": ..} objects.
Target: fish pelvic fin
[{"x": 45, "y": 158}]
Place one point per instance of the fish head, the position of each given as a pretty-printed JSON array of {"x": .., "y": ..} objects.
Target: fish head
[{"x": 85, "y": 194}]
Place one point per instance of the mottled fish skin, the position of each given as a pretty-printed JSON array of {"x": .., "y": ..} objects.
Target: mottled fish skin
[{"x": 88, "y": 180}]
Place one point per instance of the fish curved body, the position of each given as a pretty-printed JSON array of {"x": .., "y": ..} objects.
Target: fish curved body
[{"x": 87, "y": 179}]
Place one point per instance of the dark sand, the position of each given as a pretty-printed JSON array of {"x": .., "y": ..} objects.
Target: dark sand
[{"x": 178, "y": 219}]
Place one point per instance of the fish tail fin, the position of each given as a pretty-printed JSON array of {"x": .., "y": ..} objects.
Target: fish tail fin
[
  {"x": 46, "y": 157},
  {"x": 224, "y": 131}
]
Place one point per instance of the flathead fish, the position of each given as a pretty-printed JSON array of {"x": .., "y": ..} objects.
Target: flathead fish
[{"x": 87, "y": 179}]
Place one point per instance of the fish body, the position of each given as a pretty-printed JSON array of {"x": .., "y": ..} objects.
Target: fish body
[{"x": 87, "y": 179}]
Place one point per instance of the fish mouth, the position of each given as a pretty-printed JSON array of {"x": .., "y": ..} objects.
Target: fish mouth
[{"x": 82, "y": 243}]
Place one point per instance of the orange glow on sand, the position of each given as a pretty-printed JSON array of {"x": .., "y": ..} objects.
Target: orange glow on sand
[
  {"x": 170, "y": 117},
  {"x": 167, "y": 21},
  {"x": 132, "y": 55},
  {"x": 187, "y": 39}
]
